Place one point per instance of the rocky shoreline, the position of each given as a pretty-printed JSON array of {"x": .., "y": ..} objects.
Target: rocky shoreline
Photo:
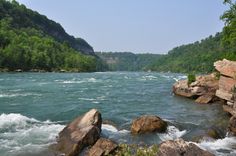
[
  {"x": 83, "y": 137},
  {"x": 219, "y": 86}
]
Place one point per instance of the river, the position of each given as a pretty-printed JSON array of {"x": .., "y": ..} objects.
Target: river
[{"x": 34, "y": 107}]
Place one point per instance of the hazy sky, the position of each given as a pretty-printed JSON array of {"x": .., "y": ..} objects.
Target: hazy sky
[{"x": 139, "y": 26}]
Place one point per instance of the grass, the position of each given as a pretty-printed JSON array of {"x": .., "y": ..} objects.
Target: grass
[{"x": 135, "y": 150}]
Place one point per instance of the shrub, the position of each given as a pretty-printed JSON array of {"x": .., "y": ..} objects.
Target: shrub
[
  {"x": 191, "y": 78},
  {"x": 217, "y": 75}
]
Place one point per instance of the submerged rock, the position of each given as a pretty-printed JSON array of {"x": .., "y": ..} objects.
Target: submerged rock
[
  {"x": 204, "y": 99},
  {"x": 148, "y": 123},
  {"x": 232, "y": 125},
  {"x": 181, "y": 148},
  {"x": 102, "y": 147},
  {"x": 81, "y": 132}
]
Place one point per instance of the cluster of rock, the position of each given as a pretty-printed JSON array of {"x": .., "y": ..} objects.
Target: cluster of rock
[
  {"x": 82, "y": 136},
  {"x": 203, "y": 89},
  {"x": 210, "y": 88},
  {"x": 227, "y": 89},
  {"x": 181, "y": 148},
  {"x": 83, "y": 132}
]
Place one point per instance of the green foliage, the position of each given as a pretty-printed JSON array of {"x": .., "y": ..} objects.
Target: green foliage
[
  {"x": 134, "y": 150},
  {"x": 229, "y": 31},
  {"x": 217, "y": 75},
  {"x": 200, "y": 56},
  {"x": 28, "y": 48},
  {"x": 233, "y": 89},
  {"x": 26, "y": 18},
  {"x": 197, "y": 57},
  {"x": 191, "y": 78}
]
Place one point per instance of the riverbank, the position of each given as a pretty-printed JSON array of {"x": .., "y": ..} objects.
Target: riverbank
[
  {"x": 82, "y": 136},
  {"x": 219, "y": 87}
]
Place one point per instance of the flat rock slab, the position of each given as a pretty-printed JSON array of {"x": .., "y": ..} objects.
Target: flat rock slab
[
  {"x": 147, "y": 124},
  {"x": 181, "y": 148},
  {"x": 204, "y": 99},
  {"x": 81, "y": 132},
  {"x": 102, "y": 147}
]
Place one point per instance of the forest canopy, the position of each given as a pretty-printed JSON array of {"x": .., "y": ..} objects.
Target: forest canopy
[{"x": 26, "y": 46}]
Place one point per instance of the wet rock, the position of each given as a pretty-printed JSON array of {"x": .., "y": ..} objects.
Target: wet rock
[
  {"x": 102, "y": 147},
  {"x": 229, "y": 109},
  {"x": 204, "y": 99},
  {"x": 181, "y": 148},
  {"x": 148, "y": 123},
  {"x": 213, "y": 133},
  {"x": 226, "y": 67},
  {"x": 232, "y": 125},
  {"x": 81, "y": 132}
]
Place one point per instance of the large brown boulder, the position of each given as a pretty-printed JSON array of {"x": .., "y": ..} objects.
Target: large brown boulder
[
  {"x": 148, "y": 123},
  {"x": 226, "y": 67},
  {"x": 81, "y": 132},
  {"x": 232, "y": 125},
  {"x": 181, "y": 148},
  {"x": 102, "y": 147}
]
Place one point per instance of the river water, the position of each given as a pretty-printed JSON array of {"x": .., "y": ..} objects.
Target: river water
[{"x": 34, "y": 107}]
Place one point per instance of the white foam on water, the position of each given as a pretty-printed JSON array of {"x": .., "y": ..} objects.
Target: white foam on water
[
  {"x": 220, "y": 145},
  {"x": 10, "y": 95},
  {"x": 72, "y": 82},
  {"x": 171, "y": 134},
  {"x": 180, "y": 78},
  {"x": 92, "y": 80},
  {"x": 20, "y": 134},
  {"x": 148, "y": 77},
  {"x": 112, "y": 132},
  {"x": 87, "y": 99}
]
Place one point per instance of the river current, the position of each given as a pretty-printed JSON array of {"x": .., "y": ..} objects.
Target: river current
[{"x": 34, "y": 107}]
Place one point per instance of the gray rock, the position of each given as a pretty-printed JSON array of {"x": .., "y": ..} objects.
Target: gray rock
[
  {"x": 81, "y": 132},
  {"x": 181, "y": 148}
]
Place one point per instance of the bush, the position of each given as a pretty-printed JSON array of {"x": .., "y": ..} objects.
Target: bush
[
  {"x": 217, "y": 75},
  {"x": 130, "y": 150},
  {"x": 191, "y": 78}
]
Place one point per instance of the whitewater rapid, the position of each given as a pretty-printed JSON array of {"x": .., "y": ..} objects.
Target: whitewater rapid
[{"x": 21, "y": 135}]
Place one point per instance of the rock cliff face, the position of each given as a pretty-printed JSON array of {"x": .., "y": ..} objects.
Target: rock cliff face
[
  {"x": 227, "y": 84},
  {"x": 227, "y": 89}
]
